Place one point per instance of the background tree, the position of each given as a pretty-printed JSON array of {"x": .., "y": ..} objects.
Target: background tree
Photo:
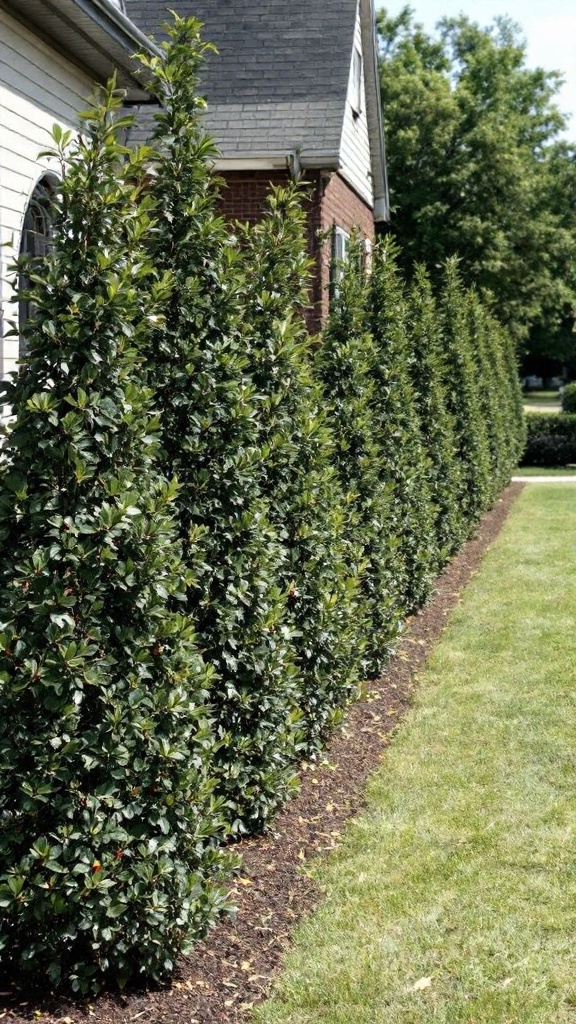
[{"x": 476, "y": 166}]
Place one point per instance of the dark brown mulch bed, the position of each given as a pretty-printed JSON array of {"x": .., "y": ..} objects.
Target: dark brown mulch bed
[{"x": 234, "y": 967}]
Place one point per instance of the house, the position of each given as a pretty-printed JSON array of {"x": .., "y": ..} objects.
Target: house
[
  {"x": 52, "y": 52},
  {"x": 293, "y": 91}
]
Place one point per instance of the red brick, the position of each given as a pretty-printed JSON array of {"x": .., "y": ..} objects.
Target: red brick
[{"x": 332, "y": 203}]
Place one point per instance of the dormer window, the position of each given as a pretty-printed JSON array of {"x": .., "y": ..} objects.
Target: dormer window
[{"x": 356, "y": 84}]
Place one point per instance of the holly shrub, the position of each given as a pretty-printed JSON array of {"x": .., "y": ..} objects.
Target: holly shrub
[
  {"x": 398, "y": 431},
  {"x": 463, "y": 387},
  {"x": 198, "y": 365},
  {"x": 429, "y": 380},
  {"x": 299, "y": 480},
  {"x": 109, "y": 828},
  {"x": 346, "y": 364},
  {"x": 490, "y": 382}
]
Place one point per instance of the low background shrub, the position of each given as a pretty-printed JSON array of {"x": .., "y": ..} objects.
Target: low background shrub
[
  {"x": 569, "y": 398},
  {"x": 551, "y": 439}
]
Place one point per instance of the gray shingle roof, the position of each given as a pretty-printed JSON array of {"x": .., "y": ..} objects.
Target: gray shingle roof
[{"x": 280, "y": 78}]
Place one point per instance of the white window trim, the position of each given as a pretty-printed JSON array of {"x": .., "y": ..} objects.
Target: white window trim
[{"x": 356, "y": 84}]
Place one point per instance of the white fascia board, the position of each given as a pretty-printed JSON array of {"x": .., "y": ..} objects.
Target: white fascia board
[
  {"x": 100, "y": 23},
  {"x": 276, "y": 161},
  {"x": 108, "y": 14},
  {"x": 251, "y": 163},
  {"x": 374, "y": 112}
]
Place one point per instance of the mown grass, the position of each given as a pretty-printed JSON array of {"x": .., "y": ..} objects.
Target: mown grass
[
  {"x": 545, "y": 471},
  {"x": 453, "y": 898},
  {"x": 541, "y": 398}
]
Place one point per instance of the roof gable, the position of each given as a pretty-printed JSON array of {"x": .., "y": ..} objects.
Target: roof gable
[
  {"x": 277, "y": 88},
  {"x": 280, "y": 76}
]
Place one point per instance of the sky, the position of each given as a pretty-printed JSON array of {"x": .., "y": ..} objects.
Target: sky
[{"x": 549, "y": 27}]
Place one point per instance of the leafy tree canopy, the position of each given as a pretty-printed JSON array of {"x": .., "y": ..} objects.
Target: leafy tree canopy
[{"x": 477, "y": 166}]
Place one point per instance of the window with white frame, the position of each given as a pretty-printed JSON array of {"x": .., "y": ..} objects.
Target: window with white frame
[
  {"x": 356, "y": 90},
  {"x": 34, "y": 243},
  {"x": 340, "y": 252}
]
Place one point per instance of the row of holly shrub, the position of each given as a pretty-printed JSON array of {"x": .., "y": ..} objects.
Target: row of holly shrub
[
  {"x": 212, "y": 526},
  {"x": 551, "y": 436}
]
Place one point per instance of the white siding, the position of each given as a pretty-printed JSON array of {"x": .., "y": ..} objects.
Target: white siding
[
  {"x": 355, "y": 146},
  {"x": 38, "y": 88}
]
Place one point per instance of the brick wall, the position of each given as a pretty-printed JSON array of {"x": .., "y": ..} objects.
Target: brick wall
[
  {"x": 332, "y": 202},
  {"x": 340, "y": 207},
  {"x": 243, "y": 195}
]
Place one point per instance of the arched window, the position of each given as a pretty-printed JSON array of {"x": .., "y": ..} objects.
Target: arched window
[{"x": 34, "y": 242}]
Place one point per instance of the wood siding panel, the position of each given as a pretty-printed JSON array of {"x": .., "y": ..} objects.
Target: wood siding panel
[
  {"x": 356, "y": 166},
  {"x": 38, "y": 88}
]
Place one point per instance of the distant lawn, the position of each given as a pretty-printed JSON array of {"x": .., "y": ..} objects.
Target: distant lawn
[
  {"x": 545, "y": 471},
  {"x": 453, "y": 898},
  {"x": 535, "y": 401},
  {"x": 541, "y": 397}
]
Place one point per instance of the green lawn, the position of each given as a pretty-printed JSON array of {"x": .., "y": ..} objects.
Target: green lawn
[
  {"x": 453, "y": 898},
  {"x": 545, "y": 471},
  {"x": 541, "y": 398}
]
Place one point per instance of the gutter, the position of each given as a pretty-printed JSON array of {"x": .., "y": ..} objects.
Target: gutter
[
  {"x": 99, "y": 23},
  {"x": 374, "y": 113},
  {"x": 104, "y": 11},
  {"x": 292, "y": 159}
]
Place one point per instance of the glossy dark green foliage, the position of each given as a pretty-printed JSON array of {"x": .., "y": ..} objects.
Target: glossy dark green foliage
[
  {"x": 463, "y": 387},
  {"x": 200, "y": 370},
  {"x": 512, "y": 390},
  {"x": 551, "y": 439},
  {"x": 301, "y": 484},
  {"x": 346, "y": 363},
  {"x": 499, "y": 391},
  {"x": 108, "y": 822},
  {"x": 491, "y": 382},
  {"x": 397, "y": 430},
  {"x": 429, "y": 378}
]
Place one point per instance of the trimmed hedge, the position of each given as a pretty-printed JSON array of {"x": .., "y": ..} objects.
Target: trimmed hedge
[
  {"x": 551, "y": 439},
  {"x": 172, "y": 647}
]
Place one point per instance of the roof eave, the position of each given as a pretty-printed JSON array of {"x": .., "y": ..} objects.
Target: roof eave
[
  {"x": 277, "y": 160},
  {"x": 374, "y": 113},
  {"x": 114, "y": 38}
]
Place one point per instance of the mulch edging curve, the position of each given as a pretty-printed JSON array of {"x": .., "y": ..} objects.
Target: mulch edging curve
[{"x": 235, "y": 966}]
